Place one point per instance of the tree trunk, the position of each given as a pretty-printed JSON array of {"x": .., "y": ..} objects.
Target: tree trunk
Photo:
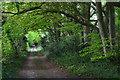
[
  {"x": 112, "y": 25},
  {"x": 86, "y": 15},
  {"x": 85, "y": 33},
  {"x": 102, "y": 27}
]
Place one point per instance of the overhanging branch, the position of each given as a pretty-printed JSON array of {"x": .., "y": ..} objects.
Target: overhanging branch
[
  {"x": 77, "y": 20},
  {"x": 26, "y": 10},
  {"x": 54, "y": 11}
]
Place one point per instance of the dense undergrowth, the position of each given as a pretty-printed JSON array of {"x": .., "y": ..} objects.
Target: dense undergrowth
[
  {"x": 66, "y": 54},
  {"x": 73, "y": 64},
  {"x": 11, "y": 67}
]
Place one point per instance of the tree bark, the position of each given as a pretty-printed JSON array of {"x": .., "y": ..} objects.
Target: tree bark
[
  {"x": 86, "y": 15},
  {"x": 112, "y": 25},
  {"x": 102, "y": 27}
]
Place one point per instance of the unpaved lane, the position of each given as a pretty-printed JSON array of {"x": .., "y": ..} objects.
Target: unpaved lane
[{"x": 40, "y": 67}]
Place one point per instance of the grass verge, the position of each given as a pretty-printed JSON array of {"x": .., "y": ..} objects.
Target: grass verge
[{"x": 73, "y": 63}]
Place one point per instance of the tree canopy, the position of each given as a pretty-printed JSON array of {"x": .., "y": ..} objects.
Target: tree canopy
[{"x": 94, "y": 28}]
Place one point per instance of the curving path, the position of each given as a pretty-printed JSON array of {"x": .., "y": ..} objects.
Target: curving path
[{"x": 38, "y": 66}]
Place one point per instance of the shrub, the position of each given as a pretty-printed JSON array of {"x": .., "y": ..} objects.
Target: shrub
[{"x": 70, "y": 44}]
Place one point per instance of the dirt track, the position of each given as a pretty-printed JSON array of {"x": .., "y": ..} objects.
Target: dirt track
[{"x": 39, "y": 67}]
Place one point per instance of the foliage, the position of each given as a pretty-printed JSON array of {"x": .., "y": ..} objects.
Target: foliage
[
  {"x": 71, "y": 26},
  {"x": 70, "y": 44},
  {"x": 11, "y": 68},
  {"x": 63, "y": 25},
  {"x": 33, "y": 37},
  {"x": 86, "y": 63},
  {"x": 75, "y": 64},
  {"x": 72, "y": 62},
  {"x": 7, "y": 50},
  {"x": 94, "y": 50}
]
